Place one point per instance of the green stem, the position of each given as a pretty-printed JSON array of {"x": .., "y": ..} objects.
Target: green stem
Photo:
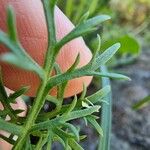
[
  {"x": 38, "y": 103},
  {"x": 106, "y": 115},
  {"x": 48, "y": 66},
  {"x": 61, "y": 119}
]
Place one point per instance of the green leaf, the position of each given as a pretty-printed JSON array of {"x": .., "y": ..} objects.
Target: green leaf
[
  {"x": 12, "y": 128},
  {"x": 49, "y": 6},
  {"x": 106, "y": 116},
  {"x": 83, "y": 94},
  {"x": 99, "y": 95},
  {"x": 82, "y": 137},
  {"x": 57, "y": 68},
  {"x": 71, "y": 106},
  {"x": 81, "y": 7},
  {"x": 62, "y": 134},
  {"x": 129, "y": 45},
  {"x": 87, "y": 70},
  {"x": 11, "y": 24},
  {"x": 73, "y": 129},
  {"x": 75, "y": 64},
  {"x": 142, "y": 103},
  {"x": 110, "y": 75},
  {"x": 69, "y": 7},
  {"x": 59, "y": 139},
  {"x": 56, "y": 80},
  {"x": 61, "y": 119},
  {"x": 3, "y": 94},
  {"x": 82, "y": 29},
  {"x": 18, "y": 56},
  {"x": 93, "y": 5},
  {"x": 49, "y": 140},
  {"x": 15, "y": 60},
  {"x": 52, "y": 99},
  {"x": 3, "y": 113},
  {"x": 96, "y": 51},
  {"x": 28, "y": 145},
  {"x": 85, "y": 120},
  {"x": 74, "y": 145},
  {"x": 94, "y": 123},
  {"x": 18, "y": 93},
  {"x": 105, "y": 56},
  {"x": 18, "y": 111},
  {"x": 85, "y": 105},
  {"x": 11, "y": 141},
  {"x": 84, "y": 18}
]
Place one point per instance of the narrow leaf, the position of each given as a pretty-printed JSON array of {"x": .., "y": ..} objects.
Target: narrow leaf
[
  {"x": 71, "y": 116},
  {"x": 84, "y": 18},
  {"x": 18, "y": 111},
  {"x": 71, "y": 106},
  {"x": 82, "y": 29},
  {"x": 75, "y": 64},
  {"x": 94, "y": 123},
  {"x": 62, "y": 134},
  {"x": 69, "y": 8},
  {"x": 73, "y": 129},
  {"x": 12, "y": 128},
  {"x": 11, "y": 24},
  {"x": 99, "y": 95},
  {"x": 142, "y": 103},
  {"x": 106, "y": 116},
  {"x": 74, "y": 145},
  {"x": 111, "y": 75},
  {"x": 105, "y": 56},
  {"x": 18, "y": 93},
  {"x": 3, "y": 94}
]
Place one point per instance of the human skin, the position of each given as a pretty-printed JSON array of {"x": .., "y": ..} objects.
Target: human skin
[{"x": 32, "y": 30}]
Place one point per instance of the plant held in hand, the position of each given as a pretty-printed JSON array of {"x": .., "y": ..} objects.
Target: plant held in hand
[{"x": 46, "y": 43}]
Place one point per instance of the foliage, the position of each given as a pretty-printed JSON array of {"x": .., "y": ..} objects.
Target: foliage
[
  {"x": 130, "y": 19},
  {"x": 142, "y": 103},
  {"x": 54, "y": 125}
]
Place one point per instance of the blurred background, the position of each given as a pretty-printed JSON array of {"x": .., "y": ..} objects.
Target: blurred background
[{"x": 130, "y": 25}]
